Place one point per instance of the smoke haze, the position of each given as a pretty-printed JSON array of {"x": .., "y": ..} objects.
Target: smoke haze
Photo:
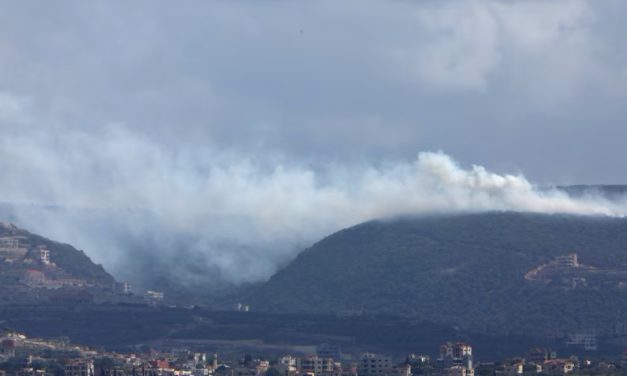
[
  {"x": 211, "y": 142},
  {"x": 205, "y": 216}
]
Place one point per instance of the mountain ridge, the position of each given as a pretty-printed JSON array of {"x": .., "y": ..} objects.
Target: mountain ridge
[{"x": 465, "y": 270}]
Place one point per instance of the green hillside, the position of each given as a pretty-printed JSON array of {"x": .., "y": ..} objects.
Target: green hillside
[{"x": 466, "y": 270}]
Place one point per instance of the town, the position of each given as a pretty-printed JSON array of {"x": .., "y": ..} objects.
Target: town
[{"x": 23, "y": 356}]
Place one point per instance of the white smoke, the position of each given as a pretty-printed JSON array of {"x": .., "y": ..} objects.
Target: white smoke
[{"x": 202, "y": 216}]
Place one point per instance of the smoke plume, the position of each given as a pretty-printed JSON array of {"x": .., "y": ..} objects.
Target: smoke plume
[{"x": 156, "y": 215}]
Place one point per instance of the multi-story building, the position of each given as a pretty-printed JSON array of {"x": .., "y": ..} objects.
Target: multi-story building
[
  {"x": 153, "y": 297},
  {"x": 79, "y": 367},
  {"x": 44, "y": 255},
  {"x": 287, "y": 365},
  {"x": 315, "y": 365},
  {"x": 458, "y": 353},
  {"x": 453, "y": 356},
  {"x": 375, "y": 365},
  {"x": 11, "y": 248},
  {"x": 567, "y": 261}
]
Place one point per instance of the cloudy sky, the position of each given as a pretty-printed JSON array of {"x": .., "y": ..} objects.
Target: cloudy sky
[
  {"x": 199, "y": 110},
  {"x": 521, "y": 86}
]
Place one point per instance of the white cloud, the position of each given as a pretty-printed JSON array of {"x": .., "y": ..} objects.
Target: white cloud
[
  {"x": 459, "y": 45},
  {"x": 13, "y": 109},
  {"x": 470, "y": 45}
]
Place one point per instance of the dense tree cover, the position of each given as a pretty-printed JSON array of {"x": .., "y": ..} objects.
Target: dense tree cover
[{"x": 465, "y": 270}]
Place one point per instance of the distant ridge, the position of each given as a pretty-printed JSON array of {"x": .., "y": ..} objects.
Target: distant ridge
[{"x": 464, "y": 270}]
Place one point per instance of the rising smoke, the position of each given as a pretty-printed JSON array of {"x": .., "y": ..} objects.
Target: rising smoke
[{"x": 152, "y": 214}]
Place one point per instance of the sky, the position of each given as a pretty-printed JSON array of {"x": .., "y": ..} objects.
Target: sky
[{"x": 251, "y": 129}]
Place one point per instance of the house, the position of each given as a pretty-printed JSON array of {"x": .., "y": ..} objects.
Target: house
[
  {"x": 558, "y": 366},
  {"x": 539, "y": 355},
  {"x": 511, "y": 368}
]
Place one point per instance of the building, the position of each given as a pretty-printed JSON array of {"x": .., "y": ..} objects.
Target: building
[
  {"x": 567, "y": 261},
  {"x": 79, "y": 367},
  {"x": 375, "y": 365},
  {"x": 400, "y": 370},
  {"x": 44, "y": 255},
  {"x": 458, "y": 353},
  {"x": 453, "y": 357},
  {"x": 315, "y": 365},
  {"x": 511, "y": 368},
  {"x": 540, "y": 355},
  {"x": 9, "y": 242},
  {"x": 558, "y": 366},
  {"x": 153, "y": 297},
  {"x": 418, "y": 359},
  {"x": 586, "y": 340},
  {"x": 11, "y": 248},
  {"x": 287, "y": 365}
]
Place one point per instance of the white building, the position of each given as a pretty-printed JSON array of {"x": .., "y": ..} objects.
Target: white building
[
  {"x": 44, "y": 255},
  {"x": 153, "y": 297}
]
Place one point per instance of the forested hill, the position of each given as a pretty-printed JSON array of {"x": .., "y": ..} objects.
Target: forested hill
[{"x": 467, "y": 270}]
